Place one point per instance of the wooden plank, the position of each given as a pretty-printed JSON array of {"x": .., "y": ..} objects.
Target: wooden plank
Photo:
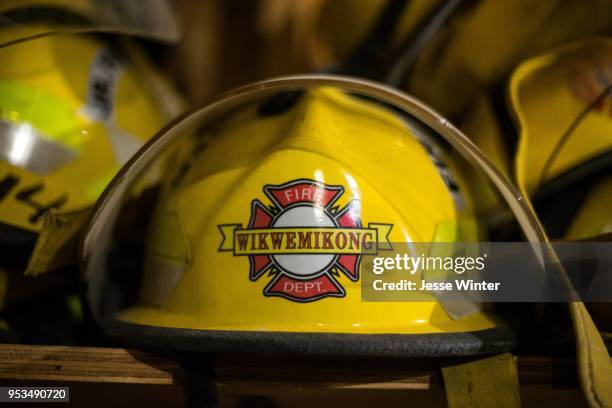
[
  {"x": 251, "y": 372},
  {"x": 85, "y": 364}
]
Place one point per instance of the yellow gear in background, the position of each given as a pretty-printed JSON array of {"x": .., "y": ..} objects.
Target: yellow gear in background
[
  {"x": 484, "y": 43},
  {"x": 561, "y": 104},
  {"x": 563, "y": 108},
  {"x": 73, "y": 109},
  {"x": 361, "y": 16}
]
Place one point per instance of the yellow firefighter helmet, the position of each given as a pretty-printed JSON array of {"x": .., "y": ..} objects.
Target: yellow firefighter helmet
[
  {"x": 69, "y": 119},
  {"x": 73, "y": 108},
  {"x": 258, "y": 208},
  {"x": 560, "y": 102}
]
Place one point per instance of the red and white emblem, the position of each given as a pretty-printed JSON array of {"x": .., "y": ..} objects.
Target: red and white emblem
[{"x": 304, "y": 241}]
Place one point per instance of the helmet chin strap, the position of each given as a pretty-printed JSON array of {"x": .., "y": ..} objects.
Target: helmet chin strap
[{"x": 199, "y": 385}]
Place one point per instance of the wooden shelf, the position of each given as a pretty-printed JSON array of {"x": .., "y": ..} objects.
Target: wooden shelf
[
  {"x": 293, "y": 380},
  {"x": 85, "y": 364}
]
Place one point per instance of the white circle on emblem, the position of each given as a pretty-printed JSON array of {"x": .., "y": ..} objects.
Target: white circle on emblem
[{"x": 304, "y": 216}]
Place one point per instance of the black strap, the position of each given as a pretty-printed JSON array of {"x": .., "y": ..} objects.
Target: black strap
[{"x": 199, "y": 385}]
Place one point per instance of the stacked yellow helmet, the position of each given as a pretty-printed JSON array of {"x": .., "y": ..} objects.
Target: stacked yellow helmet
[{"x": 74, "y": 107}]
